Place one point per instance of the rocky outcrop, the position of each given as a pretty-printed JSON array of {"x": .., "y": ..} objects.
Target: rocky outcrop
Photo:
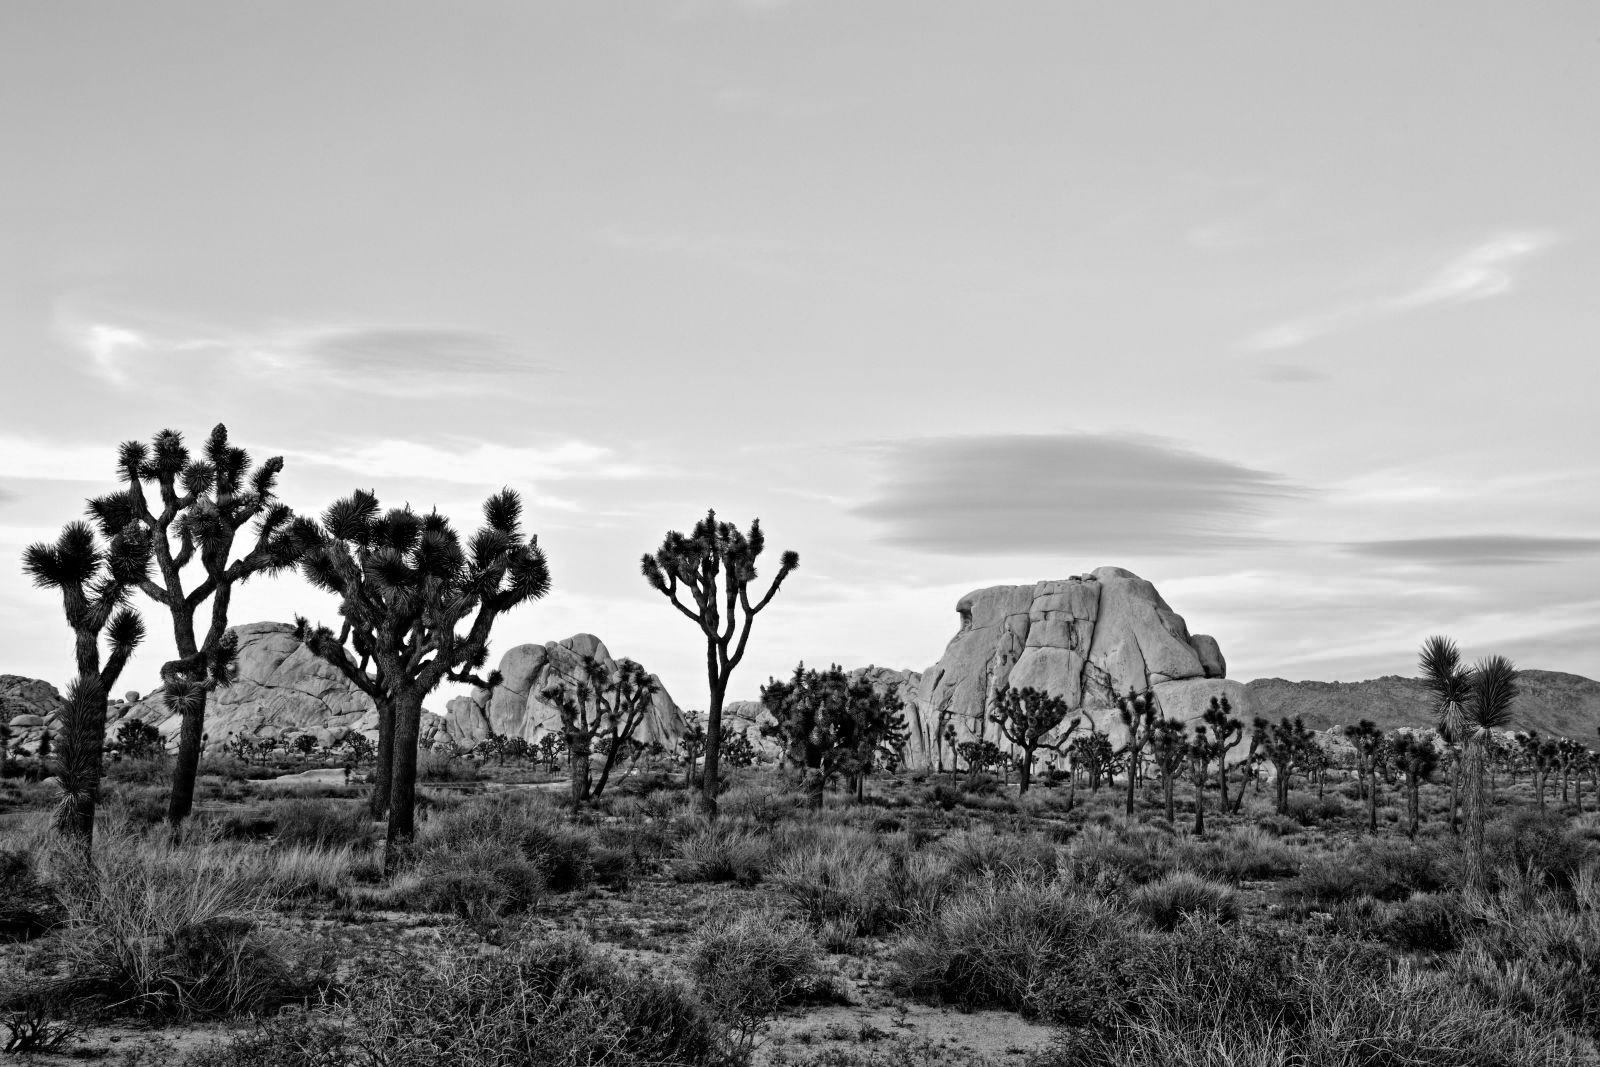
[
  {"x": 29, "y": 707},
  {"x": 515, "y": 708},
  {"x": 282, "y": 691},
  {"x": 1551, "y": 702},
  {"x": 1087, "y": 639}
]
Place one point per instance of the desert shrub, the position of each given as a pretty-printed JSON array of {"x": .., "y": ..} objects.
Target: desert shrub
[
  {"x": 1542, "y": 962},
  {"x": 1238, "y": 855},
  {"x": 841, "y": 880},
  {"x": 1307, "y": 810},
  {"x": 1111, "y": 854},
  {"x": 479, "y": 880},
  {"x": 984, "y": 853},
  {"x": 981, "y": 785},
  {"x": 750, "y": 968},
  {"x": 1545, "y": 848},
  {"x": 1279, "y": 825},
  {"x": 176, "y": 929},
  {"x": 1378, "y": 868},
  {"x": 1031, "y": 947},
  {"x": 721, "y": 853},
  {"x": 555, "y": 1003},
  {"x": 1425, "y": 922},
  {"x": 439, "y": 765},
  {"x": 145, "y": 770},
  {"x": 28, "y": 906},
  {"x": 309, "y": 871},
  {"x": 513, "y": 826},
  {"x": 894, "y": 1052},
  {"x": 1180, "y": 896},
  {"x": 319, "y": 823}
]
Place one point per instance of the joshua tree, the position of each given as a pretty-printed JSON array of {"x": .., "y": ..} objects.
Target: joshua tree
[
  {"x": 829, "y": 725},
  {"x": 1202, "y": 750},
  {"x": 692, "y": 745},
  {"x": 406, "y": 586},
  {"x": 1226, "y": 733},
  {"x": 1093, "y": 752},
  {"x": 1169, "y": 751},
  {"x": 1494, "y": 690},
  {"x": 1027, "y": 717},
  {"x": 1286, "y": 745},
  {"x": 947, "y": 743},
  {"x": 1138, "y": 714},
  {"x": 551, "y": 749},
  {"x": 1370, "y": 747},
  {"x": 1542, "y": 755},
  {"x": 606, "y": 705},
  {"x": 1569, "y": 756},
  {"x": 980, "y": 755},
  {"x": 1417, "y": 759},
  {"x": 1449, "y": 683},
  {"x": 715, "y": 566},
  {"x": 202, "y": 505},
  {"x": 95, "y": 577}
]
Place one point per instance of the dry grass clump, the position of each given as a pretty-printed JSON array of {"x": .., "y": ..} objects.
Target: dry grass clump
[
  {"x": 722, "y": 852},
  {"x": 554, "y": 1003},
  {"x": 749, "y": 969},
  {"x": 1182, "y": 896},
  {"x": 320, "y": 823},
  {"x": 28, "y": 906},
  {"x": 1239, "y": 854},
  {"x": 173, "y": 929}
]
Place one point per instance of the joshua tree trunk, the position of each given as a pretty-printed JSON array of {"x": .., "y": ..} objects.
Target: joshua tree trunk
[
  {"x": 813, "y": 781},
  {"x": 383, "y": 762},
  {"x": 186, "y": 768},
  {"x": 1455, "y": 794},
  {"x": 1199, "y": 809},
  {"x": 688, "y": 775},
  {"x": 403, "y": 790},
  {"x": 1166, "y": 788},
  {"x": 1473, "y": 808},
  {"x": 1222, "y": 783},
  {"x": 1025, "y": 771},
  {"x": 579, "y": 766},
  {"x": 1372, "y": 802},
  {"x": 78, "y": 758},
  {"x": 713, "y": 756},
  {"x": 1412, "y": 805}
]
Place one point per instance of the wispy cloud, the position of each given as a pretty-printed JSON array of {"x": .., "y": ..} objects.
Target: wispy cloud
[
  {"x": 1480, "y": 272},
  {"x": 1477, "y": 550},
  {"x": 1022, "y": 494},
  {"x": 384, "y": 359},
  {"x": 477, "y": 463}
]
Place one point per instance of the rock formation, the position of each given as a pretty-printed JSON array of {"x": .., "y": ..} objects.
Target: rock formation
[
  {"x": 514, "y": 708},
  {"x": 1088, "y": 639},
  {"x": 282, "y": 691}
]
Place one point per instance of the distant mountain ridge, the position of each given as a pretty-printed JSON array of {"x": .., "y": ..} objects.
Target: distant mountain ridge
[{"x": 1551, "y": 702}]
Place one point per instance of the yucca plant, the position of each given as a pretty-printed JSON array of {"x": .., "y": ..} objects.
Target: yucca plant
[
  {"x": 1449, "y": 684},
  {"x": 95, "y": 576},
  {"x": 407, "y": 586},
  {"x": 1488, "y": 708},
  {"x": 714, "y": 567},
  {"x": 201, "y": 506}
]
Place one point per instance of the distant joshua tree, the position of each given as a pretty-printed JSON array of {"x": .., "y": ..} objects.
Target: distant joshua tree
[
  {"x": 1138, "y": 714},
  {"x": 1226, "y": 733},
  {"x": 1288, "y": 746},
  {"x": 831, "y": 726},
  {"x": 714, "y": 567},
  {"x": 1028, "y": 718},
  {"x": 95, "y": 576},
  {"x": 200, "y": 508},
  {"x": 1169, "y": 751},
  {"x": 1371, "y": 747},
  {"x": 605, "y": 705},
  {"x": 692, "y": 745},
  {"x": 1542, "y": 755},
  {"x": 406, "y": 586},
  {"x": 1417, "y": 759}
]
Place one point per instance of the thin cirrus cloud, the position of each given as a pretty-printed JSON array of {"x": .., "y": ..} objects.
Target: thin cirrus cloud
[
  {"x": 1477, "y": 550},
  {"x": 1025, "y": 494},
  {"x": 1479, "y": 273},
  {"x": 389, "y": 360},
  {"x": 477, "y": 463}
]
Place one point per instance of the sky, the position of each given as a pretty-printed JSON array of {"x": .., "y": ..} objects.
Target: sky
[{"x": 1290, "y": 308}]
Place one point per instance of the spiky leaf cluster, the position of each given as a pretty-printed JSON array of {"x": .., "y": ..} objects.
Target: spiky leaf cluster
[{"x": 826, "y": 720}]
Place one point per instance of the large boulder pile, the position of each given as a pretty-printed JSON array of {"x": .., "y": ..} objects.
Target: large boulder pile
[
  {"x": 1087, "y": 639},
  {"x": 516, "y": 707},
  {"x": 30, "y": 707},
  {"x": 282, "y": 691}
]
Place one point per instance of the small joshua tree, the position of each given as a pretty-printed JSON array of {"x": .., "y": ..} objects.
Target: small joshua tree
[
  {"x": 1226, "y": 733},
  {"x": 830, "y": 726},
  {"x": 1417, "y": 759},
  {"x": 1203, "y": 749},
  {"x": 692, "y": 745},
  {"x": 1542, "y": 755},
  {"x": 202, "y": 506},
  {"x": 95, "y": 577},
  {"x": 1028, "y": 718},
  {"x": 1449, "y": 684},
  {"x": 1370, "y": 746},
  {"x": 604, "y": 704},
  {"x": 139, "y": 740},
  {"x": 1138, "y": 714},
  {"x": 407, "y": 585},
  {"x": 714, "y": 567},
  {"x": 1169, "y": 751},
  {"x": 1287, "y": 745}
]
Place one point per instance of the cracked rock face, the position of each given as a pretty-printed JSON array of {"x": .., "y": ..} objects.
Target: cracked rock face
[
  {"x": 1087, "y": 639},
  {"x": 514, "y": 708}
]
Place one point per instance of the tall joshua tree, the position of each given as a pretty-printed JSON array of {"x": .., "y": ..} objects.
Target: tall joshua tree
[
  {"x": 201, "y": 506},
  {"x": 1138, "y": 714},
  {"x": 1027, "y": 717},
  {"x": 714, "y": 566},
  {"x": 1449, "y": 684},
  {"x": 1226, "y": 733},
  {"x": 95, "y": 577},
  {"x": 1488, "y": 708},
  {"x": 407, "y": 585}
]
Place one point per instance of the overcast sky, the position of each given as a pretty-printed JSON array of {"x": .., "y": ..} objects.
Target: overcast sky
[{"x": 1292, "y": 308}]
